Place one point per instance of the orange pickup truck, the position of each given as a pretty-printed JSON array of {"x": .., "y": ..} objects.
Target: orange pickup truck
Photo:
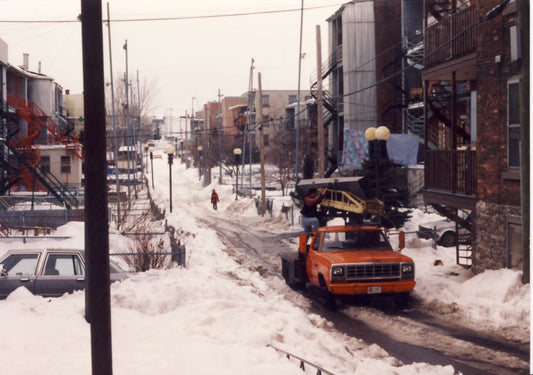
[{"x": 350, "y": 260}]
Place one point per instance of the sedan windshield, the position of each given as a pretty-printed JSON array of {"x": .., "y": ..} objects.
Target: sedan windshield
[{"x": 355, "y": 240}]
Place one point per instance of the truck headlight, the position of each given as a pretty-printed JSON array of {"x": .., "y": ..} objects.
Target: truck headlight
[
  {"x": 337, "y": 271},
  {"x": 408, "y": 270}
]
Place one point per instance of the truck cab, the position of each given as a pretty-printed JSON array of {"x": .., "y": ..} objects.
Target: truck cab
[{"x": 351, "y": 260}]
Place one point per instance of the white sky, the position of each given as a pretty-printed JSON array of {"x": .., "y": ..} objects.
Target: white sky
[{"x": 186, "y": 58}]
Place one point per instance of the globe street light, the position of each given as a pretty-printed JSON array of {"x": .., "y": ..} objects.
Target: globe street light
[
  {"x": 151, "y": 150},
  {"x": 237, "y": 152},
  {"x": 170, "y": 152}
]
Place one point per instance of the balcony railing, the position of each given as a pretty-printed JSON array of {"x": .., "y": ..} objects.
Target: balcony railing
[
  {"x": 453, "y": 36},
  {"x": 452, "y": 171}
]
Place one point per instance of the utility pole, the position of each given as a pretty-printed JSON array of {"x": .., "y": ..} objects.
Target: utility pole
[
  {"x": 186, "y": 143},
  {"x": 246, "y": 133},
  {"x": 261, "y": 143},
  {"x": 97, "y": 294},
  {"x": 139, "y": 130},
  {"x": 115, "y": 140},
  {"x": 128, "y": 127},
  {"x": 319, "y": 110},
  {"x": 296, "y": 177},
  {"x": 219, "y": 123}
]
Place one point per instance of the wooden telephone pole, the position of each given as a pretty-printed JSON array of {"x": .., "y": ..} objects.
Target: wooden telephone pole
[
  {"x": 261, "y": 143},
  {"x": 319, "y": 110}
]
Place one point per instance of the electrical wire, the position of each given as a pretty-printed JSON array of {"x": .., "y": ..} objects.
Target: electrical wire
[{"x": 226, "y": 15}]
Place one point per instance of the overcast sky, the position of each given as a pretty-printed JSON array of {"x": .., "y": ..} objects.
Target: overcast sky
[{"x": 185, "y": 58}]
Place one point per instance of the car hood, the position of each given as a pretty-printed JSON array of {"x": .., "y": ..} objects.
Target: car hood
[
  {"x": 439, "y": 224},
  {"x": 367, "y": 256},
  {"x": 119, "y": 276}
]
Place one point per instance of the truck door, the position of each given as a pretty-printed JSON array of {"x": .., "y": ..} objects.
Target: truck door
[
  {"x": 311, "y": 262},
  {"x": 18, "y": 270},
  {"x": 62, "y": 273}
]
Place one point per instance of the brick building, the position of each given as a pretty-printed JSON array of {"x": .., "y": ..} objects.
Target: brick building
[{"x": 472, "y": 123}]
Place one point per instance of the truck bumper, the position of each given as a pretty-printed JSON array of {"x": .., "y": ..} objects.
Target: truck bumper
[{"x": 373, "y": 287}]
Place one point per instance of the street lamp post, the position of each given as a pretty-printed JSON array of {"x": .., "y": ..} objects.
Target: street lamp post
[
  {"x": 170, "y": 152},
  {"x": 146, "y": 157},
  {"x": 200, "y": 148},
  {"x": 377, "y": 141},
  {"x": 237, "y": 152},
  {"x": 151, "y": 149}
]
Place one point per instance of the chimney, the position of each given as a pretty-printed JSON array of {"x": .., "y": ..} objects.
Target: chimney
[{"x": 25, "y": 61}]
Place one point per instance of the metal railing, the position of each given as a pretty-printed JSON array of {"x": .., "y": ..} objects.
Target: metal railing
[
  {"x": 450, "y": 170},
  {"x": 303, "y": 362},
  {"x": 453, "y": 36}
]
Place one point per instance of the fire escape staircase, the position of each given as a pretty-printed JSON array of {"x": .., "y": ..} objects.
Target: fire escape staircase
[
  {"x": 330, "y": 103},
  {"x": 464, "y": 240},
  {"x": 414, "y": 112},
  {"x": 27, "y": 155}
]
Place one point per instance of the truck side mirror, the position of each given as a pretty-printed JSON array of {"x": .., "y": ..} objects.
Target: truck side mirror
[{"x": 401, "y": 239}]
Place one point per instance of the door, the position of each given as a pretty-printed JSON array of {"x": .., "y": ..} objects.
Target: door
[
  {"x": 311, "y": 261},
  {"x": 18, "y": 270},
  {"x": 62, "y": 273}
]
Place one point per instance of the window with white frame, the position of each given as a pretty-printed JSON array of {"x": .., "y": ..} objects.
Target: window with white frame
[
  {"x": 514, "y": 242},
  {"x": 265, "y": 100},
  {"x": 513, "y": 123}
]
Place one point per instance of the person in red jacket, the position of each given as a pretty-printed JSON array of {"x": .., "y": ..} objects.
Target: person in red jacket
[
  {"x": 214, "y": 199},
  {"x": 309, "y": 211}
]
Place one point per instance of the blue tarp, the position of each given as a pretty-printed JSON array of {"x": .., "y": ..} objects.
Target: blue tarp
[{"x": 402, "y": 149}]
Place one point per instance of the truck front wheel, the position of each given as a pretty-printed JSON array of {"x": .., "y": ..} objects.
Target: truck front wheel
[{"x": 329, "y": 298}]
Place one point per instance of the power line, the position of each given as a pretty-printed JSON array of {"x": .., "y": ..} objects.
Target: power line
[{"x": 226, "y": 15}]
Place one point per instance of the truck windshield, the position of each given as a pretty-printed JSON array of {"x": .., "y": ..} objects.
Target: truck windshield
[{"x": 355, "y": 241}]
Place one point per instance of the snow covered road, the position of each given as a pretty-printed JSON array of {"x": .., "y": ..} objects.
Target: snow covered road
[{"x": 410, "y": 336}]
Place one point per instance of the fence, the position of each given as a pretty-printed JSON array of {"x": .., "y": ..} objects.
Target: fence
[
  {"x": 177, "y": 252},
  {"x": 303, "y": 362},
  {"x": 42, "y": 218}
]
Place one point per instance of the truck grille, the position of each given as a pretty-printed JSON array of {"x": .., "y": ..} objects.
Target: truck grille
[{"x": 372, "y": 271}]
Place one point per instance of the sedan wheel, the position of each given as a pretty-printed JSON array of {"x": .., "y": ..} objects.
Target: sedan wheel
[{"x": 448, "y": 239}]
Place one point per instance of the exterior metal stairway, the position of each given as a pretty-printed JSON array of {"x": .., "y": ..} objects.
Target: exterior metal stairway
[{"x": 25, "y": 154}]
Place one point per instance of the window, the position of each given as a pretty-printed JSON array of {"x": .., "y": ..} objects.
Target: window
[
  {"x": 316, "y": 244},
  {"x": 266, "y": 140},
  {"x": 292, "y": 99},
  {"x": 20, "y": 264},
  {"x": 514, "y": 243},
  {"x": 513, "y": 140},
  {"x": 265, "y": 100},
  {"x": 64, "y": 265},
  {"x": 516, "y": 53},
  {"x": 45, "y": 164},
  {"x": 65, "y": 164},
  {"x": 355, "y": 240}
]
